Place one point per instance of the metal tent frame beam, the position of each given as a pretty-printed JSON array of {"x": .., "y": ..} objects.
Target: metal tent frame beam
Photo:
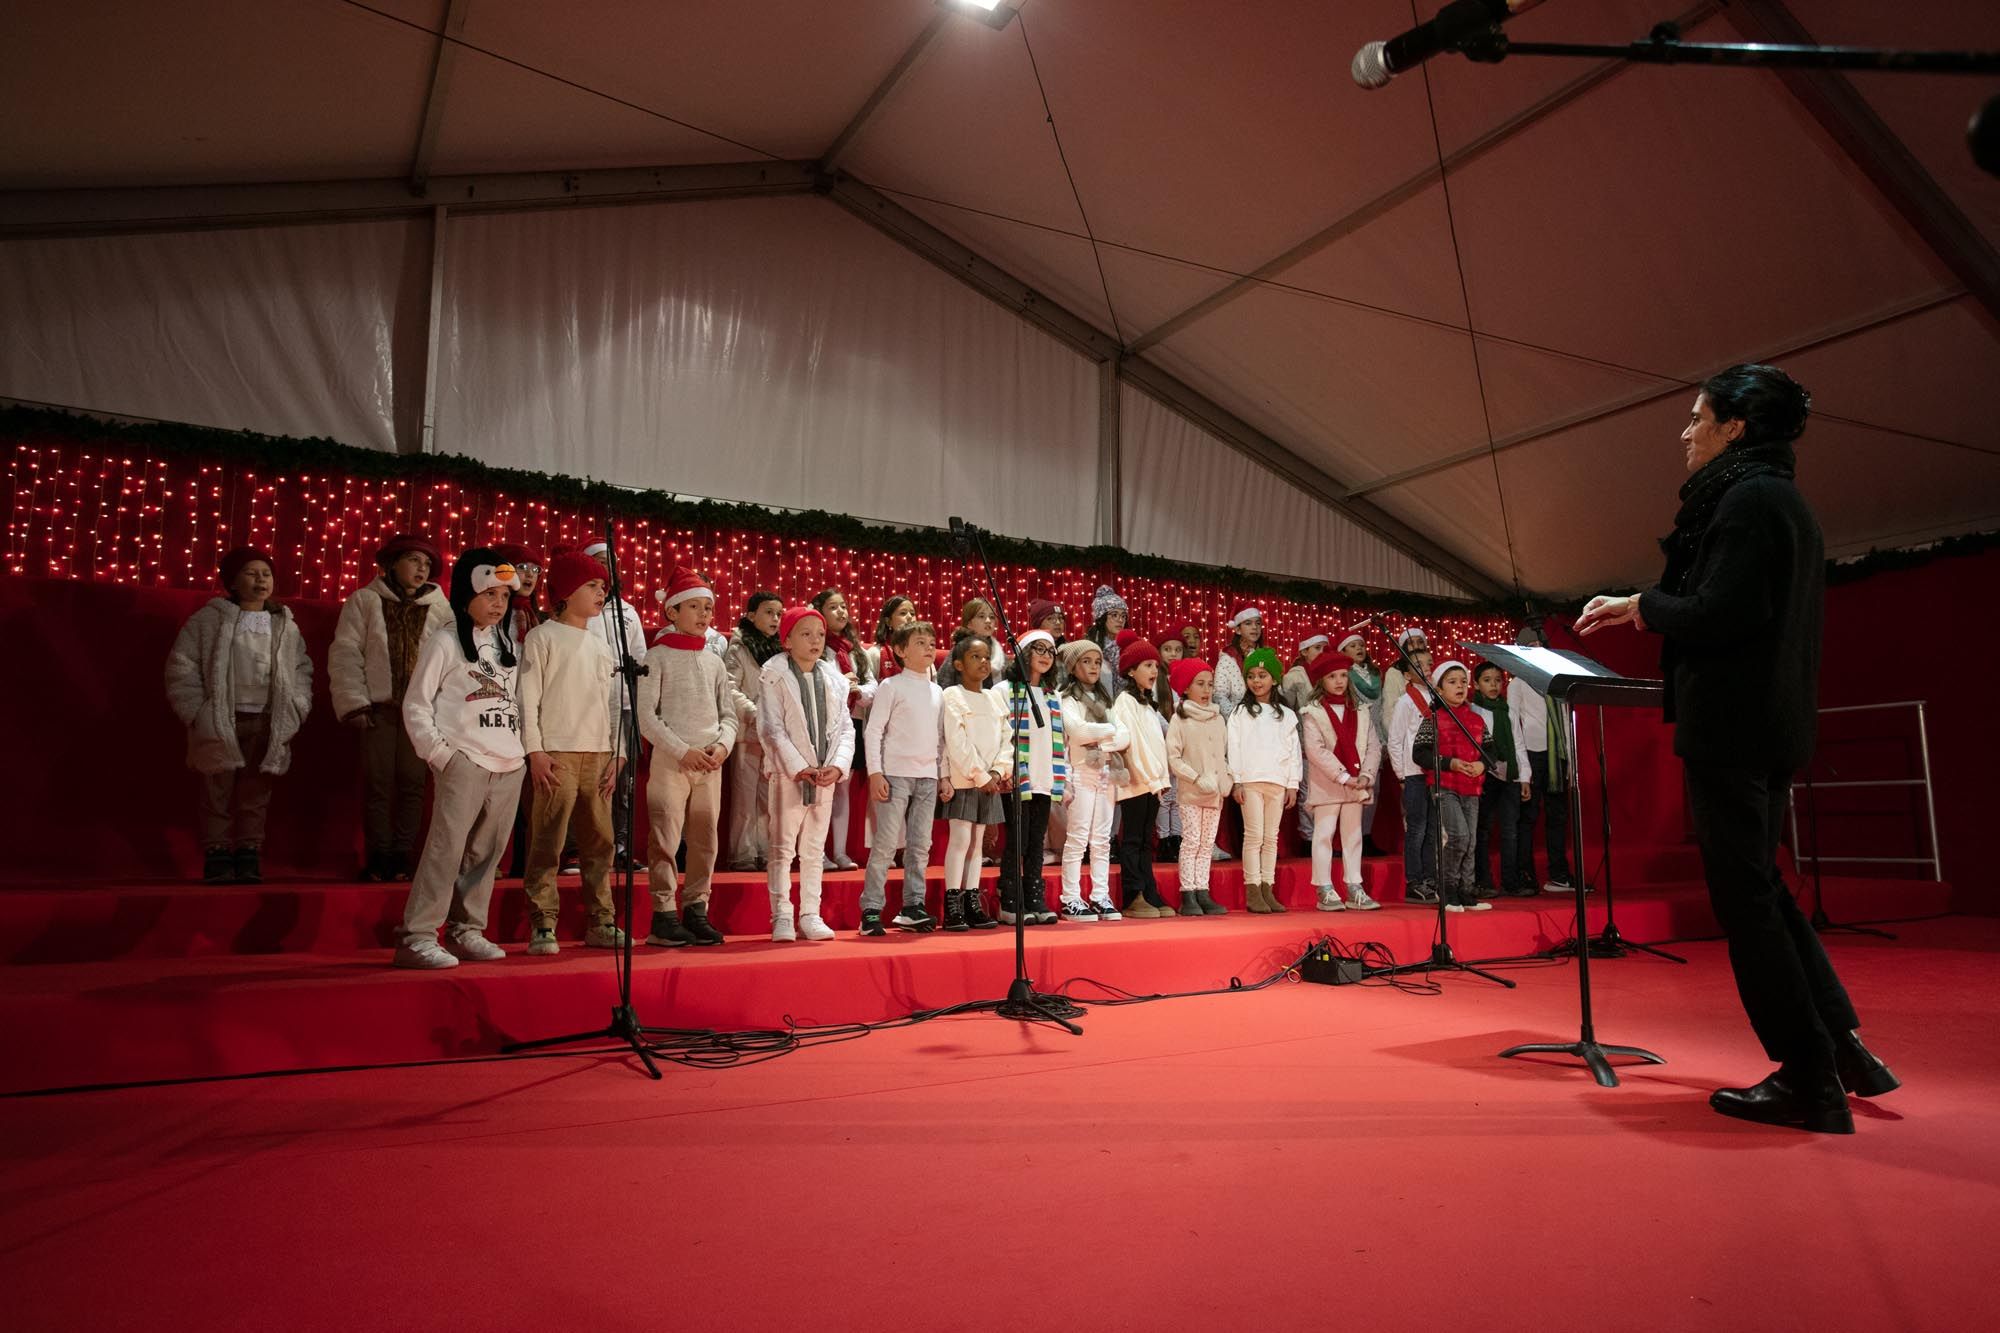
[{"x": 455, "y": 14}]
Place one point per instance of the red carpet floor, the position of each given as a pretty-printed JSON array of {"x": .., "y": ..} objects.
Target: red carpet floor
[{"x": 1302, "y": 1157}]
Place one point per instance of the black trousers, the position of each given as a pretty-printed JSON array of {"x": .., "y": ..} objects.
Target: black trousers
[
  {"x": 1555, "y": 805},
  {"x": 1788, "y": 986},
  {"x": 1136, "y": 816},
  {"x": 1021, "y": 860}
]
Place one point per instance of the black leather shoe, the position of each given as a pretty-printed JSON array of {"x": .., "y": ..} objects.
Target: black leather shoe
[
  {"x": 1861, "y": 1072},
  {"x": 1814, "y": 1104}
]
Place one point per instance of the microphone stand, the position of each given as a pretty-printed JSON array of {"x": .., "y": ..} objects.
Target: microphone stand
[
  {"x": 1023, "y": 1001},
  {"x": 624, "y": 1025},
  {"x": 1441, "y": 958},
  {"x": 1606, "y": 943},
  {"x": 1818, "y": 918},
  {"x": 1663, "y": 46}
]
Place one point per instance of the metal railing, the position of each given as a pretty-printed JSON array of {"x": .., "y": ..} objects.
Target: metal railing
[{"x": 1930, "y": 798}]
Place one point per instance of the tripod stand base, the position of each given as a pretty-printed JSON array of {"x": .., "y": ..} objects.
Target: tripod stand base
[
  {"x": 624, "y": 1026},
  {"x": 1608, "y": 943},
  {"x": 1025, "y": 1002},
  {"x": 1590, "y": 1053},
  {"x": 1441, "y": 960}
]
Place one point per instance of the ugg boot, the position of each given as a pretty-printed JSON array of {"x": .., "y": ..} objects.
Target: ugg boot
[
  {"x": 1209, "y": 907},
  {"x": 1190, "y": 903},
  {"x": 1253, "y": 894},
  {"x": 1271, "y": 898},
  {"x": 782, "y": 929},
  {"x": 694, "y": 920},
  {"x": 1141, "y": 910}
]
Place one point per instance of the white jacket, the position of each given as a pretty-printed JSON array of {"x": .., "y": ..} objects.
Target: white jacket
[
  {"x": 454, "y": 706},
  {"x": 1403, "y": 724},
  {"x": 203, "y": 695},
  {"x": 781, "y": 719},
  {"x": 1328, "y": 780},
  {"x": 1146, "y": 769},
  {"x": 357, "y": 661},
  {"x": 1264, "y": 747},
  {"x": 1086, "y": 743}
]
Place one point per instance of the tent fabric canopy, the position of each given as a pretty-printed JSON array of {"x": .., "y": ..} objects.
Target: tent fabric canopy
[{"x": 1500, "y": 360}]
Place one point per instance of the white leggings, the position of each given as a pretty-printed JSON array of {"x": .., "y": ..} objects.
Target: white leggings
[
  {"x": 1090, "y": 800},
  {"x": 1263, "y": 810},
  {"x": 961, "y": 855},
  {"x": 1347, "y": 819}
]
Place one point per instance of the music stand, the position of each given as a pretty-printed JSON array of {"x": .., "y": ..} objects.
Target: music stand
[{"x": 1570, "y": 679}]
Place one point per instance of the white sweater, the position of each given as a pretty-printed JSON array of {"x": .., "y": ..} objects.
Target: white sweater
[
  {"x": 565, "y": 706},
  {"x": 1086, "y": 743},
  {"x": 458, "y": 707},
  {"x": 1264, "y": 747},
  {"x": 1403, "y": 724},
  {"x": 605, "y": 626},
  {"x": 977, "y": 746},
  {"x": 906, "y": 728},
  {"x": 781, "y": 719},
  {"x": 202, "y": 691},
  {"x": 1531, "y": 717},
  {"x": 685, "y": 703},
  {"x": 357, "y": 661},
  {"x": 1146, "y": 769}
]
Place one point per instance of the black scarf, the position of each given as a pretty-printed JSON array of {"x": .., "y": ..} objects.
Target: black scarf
[
  {"x": 762, "y": 646},
  {"x": 1703, "y": 492}
]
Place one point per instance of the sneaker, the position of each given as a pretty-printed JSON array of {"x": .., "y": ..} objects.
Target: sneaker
[
  {"x": 667, "y": 932},
  {"x": 1558, "y": 886},
  {"x": 1041, "y": 914},
  {"x": 542, "y": 941},
  {"x": 1455, "y": 907},
  {"x": 1049, "y": 857},
  {"x": 249, "y": 866},
  {"x": 1485, "y": 891},
  {"x": 473, "y": 947},
  {"x": 1478, "y": 905},
  {"x": 1329, "y": 899},
  {"x": 1218, "y": 854},
  {"x": 218, "y": 864},
  {"x": 743, "y": 867},
  {"x": 1011, "y": 915},
  {"x": 1421, "y": 893},
  {"x": 1106, "y": 910},
  {"x": 1077, "y": 910},
  {"x": 1522, "y": 891},
  {"x": 871, "y": 923},
  {"x": 1359, "y": 901},
  {"x": 606, "y": 936},
  {"x": 811, "y": 927},
  {"x": 427, "y": 954},
  {"x": 842, "y": 863},
  {"x": 975, "y": 913},
  {"x": 913, "y": 917},
  {"x": 782, "y": 929}
]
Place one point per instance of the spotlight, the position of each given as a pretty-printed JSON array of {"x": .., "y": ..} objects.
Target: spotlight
[{"x": 993, "y": 13}]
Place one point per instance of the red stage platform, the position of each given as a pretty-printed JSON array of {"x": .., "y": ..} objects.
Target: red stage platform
[{"x": 137, "y": 982}]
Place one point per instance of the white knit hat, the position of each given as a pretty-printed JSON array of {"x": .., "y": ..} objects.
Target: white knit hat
[{"x": 1105, "y": 602}]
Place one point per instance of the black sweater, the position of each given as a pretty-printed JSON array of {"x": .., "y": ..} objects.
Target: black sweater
[{"x": 1741, "y": 657}]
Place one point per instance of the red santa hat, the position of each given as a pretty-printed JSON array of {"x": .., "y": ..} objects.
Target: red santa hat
[
  {"x": 1181, "y": 674},
  {"x": 1317, "y": 637},
  {"x": 1437, "y": 675},
  {"x": 790, "y": 621},
  {"x": 1325, "y": 665},
  {"x": 569, "y": 571},
  {"x": 684, "y": 584},
  {"x": 1352, "y": 637}
]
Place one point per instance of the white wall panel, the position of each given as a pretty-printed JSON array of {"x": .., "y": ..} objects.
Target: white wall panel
[
  {"x": 1185, "y": 494},
  {"x": 286, "y": 330},
  {"x": 773, "y": 350}
]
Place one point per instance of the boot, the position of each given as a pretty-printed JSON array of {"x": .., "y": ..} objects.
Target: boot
[
  {"x": 1190, "y": 903},
  {"x": 1169, "y": 849},
  {"x": 667, "y": 931},
  {"x": 1253, "y": 894},
  {"x": 954, "y": 910},
  {"x": 782, "y": 928},
  {"x": 249, "y": 866},
  {"x": 1141, "y": 910},
  {"x": 217, "y": 865},
  {"x": 1271, "y": 897},
  {"x": 975, "y": 912},
  {"x": 1209, "y": 907},
  {"x": 694, "y": 920}
]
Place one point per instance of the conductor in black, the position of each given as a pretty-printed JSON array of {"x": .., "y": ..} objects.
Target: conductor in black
[{"x": 1739, "y": 607}]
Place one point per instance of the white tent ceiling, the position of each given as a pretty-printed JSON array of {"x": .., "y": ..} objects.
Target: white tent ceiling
[{"x": 1616, "y": 233}]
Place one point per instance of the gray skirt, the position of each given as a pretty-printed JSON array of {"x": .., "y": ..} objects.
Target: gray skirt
[{"x": 974, "y": 806}]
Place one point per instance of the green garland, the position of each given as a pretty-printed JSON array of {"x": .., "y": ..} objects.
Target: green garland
[{"x": 293, "y": 454}]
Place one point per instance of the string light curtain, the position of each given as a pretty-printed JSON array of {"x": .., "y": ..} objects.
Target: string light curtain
[{"x": 122, "y": 515}]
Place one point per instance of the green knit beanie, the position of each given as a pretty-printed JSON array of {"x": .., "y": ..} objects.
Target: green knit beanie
[{"x": 1264, "y": 657}]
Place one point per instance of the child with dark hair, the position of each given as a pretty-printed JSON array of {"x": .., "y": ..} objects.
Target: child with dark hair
[
  {"x": 462, "y": 719},
  {"x": 1342, "y": 756},
  {"x": 845, "y": 649},
  {"x": 1040, "y": 781},
  {"x": 1506, "y": 786},
  {"x": 754, "y": 643},
  {"x": 1108, "y": 618},
  {"x": 978, "y": 764},
  {"x": 571, "y": 732},
  {"x": 382, "y": 626},
  {"x": 1198, "y": 754},
  {"x": 688, "y": 711},
  {"x": 1456, "y": 782},
  {"x": 240, "y": 680},
  {"x": 906, "y": 777},
  {"x": 523, "y": 614},
  {"x": 1264, "y": 759},
  {"x": 1146, "y": 775},
  {"x": 1095, "y": 745}
]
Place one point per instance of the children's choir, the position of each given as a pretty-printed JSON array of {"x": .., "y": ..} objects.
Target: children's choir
[{"x": 505, "y": 687}]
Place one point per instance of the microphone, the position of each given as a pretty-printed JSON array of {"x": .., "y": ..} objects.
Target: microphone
[{"x": 1451, "y": 29}]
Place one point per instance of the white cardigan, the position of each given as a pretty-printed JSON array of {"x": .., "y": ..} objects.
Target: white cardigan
[
  {"x": 202, "y": 692},
  {"x": 1265, "y": 747},
  {"x": 1146, "y": 768},
  {"x": 781, "y": 719},
  {"x": 357, "y": 661},
  {"x": 978, "y": 746}
]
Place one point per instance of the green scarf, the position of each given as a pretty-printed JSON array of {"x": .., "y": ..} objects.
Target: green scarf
[{"x": 1501, "y": 742}]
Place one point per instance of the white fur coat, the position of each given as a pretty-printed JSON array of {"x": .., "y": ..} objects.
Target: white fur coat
[{"x": 203, "y": 694}]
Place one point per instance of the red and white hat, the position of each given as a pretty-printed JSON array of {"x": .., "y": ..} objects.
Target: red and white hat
[
  {"x": 1352, "y": 637},
  {"x": 1317, "y": 637},
  {"x": 1409, "y": 632},
  {"x": 685, "y": 584},
  {"x": 1437, "y": 673},
  {"x": 1247, "y": 613}
]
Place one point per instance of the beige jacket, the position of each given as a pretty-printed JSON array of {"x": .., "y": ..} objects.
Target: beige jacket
[
  {"x": 1146, "y": 769},
  {"x": 1328, "y": 781},
  {"x": 357, "y": 661},
  {"x": 1197, "y": 748},
  {"x": 203, "y": 696}
]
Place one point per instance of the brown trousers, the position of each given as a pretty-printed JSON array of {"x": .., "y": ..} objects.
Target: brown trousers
[
  {"x": 680, "y": 803},
  {"x": 393, "y": 806},
  {"x": 574, "y": 805},
  {"x": 235, "y": 802}
]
